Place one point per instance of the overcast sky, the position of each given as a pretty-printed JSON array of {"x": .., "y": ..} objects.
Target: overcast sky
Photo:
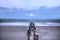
[{"x": 31, "y": 5}]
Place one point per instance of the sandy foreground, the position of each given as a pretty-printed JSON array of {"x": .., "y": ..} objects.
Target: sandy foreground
[{"x": 20, "y": 33}]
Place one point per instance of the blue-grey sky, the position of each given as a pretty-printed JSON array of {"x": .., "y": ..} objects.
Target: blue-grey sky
[{"x": 31, "y": 9}]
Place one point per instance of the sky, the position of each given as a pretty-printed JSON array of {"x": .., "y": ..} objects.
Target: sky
[
  {"x": 44, "y": 9},
  {"x": 29, "y": 4}
]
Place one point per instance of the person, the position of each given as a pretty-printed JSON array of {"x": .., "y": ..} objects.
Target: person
[{"x": 31, "y": 31}]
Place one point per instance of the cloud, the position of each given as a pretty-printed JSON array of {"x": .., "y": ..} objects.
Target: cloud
[
  {"x": 29, "y": 4},
  {"x": 45, "y": 3},
  {"x": 13, "y": 3}
]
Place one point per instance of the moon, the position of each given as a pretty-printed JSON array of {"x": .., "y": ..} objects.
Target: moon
[{"x": 31, "y": 14}]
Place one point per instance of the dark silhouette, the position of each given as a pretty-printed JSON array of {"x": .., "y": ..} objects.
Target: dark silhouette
[{"x": 31, "y": 31}]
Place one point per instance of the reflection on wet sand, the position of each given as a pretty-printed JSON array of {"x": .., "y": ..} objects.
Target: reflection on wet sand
[{"x": 20, "y": 32}]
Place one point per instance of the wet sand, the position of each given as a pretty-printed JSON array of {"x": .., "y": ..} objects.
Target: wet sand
[{"x": 20, "y": 33}]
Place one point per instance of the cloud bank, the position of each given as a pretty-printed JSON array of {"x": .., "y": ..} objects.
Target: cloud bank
[{"x": 29, "y": 4}]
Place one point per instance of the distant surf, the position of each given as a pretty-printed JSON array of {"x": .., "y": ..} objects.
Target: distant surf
[{"x": 27, "y": 24}]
